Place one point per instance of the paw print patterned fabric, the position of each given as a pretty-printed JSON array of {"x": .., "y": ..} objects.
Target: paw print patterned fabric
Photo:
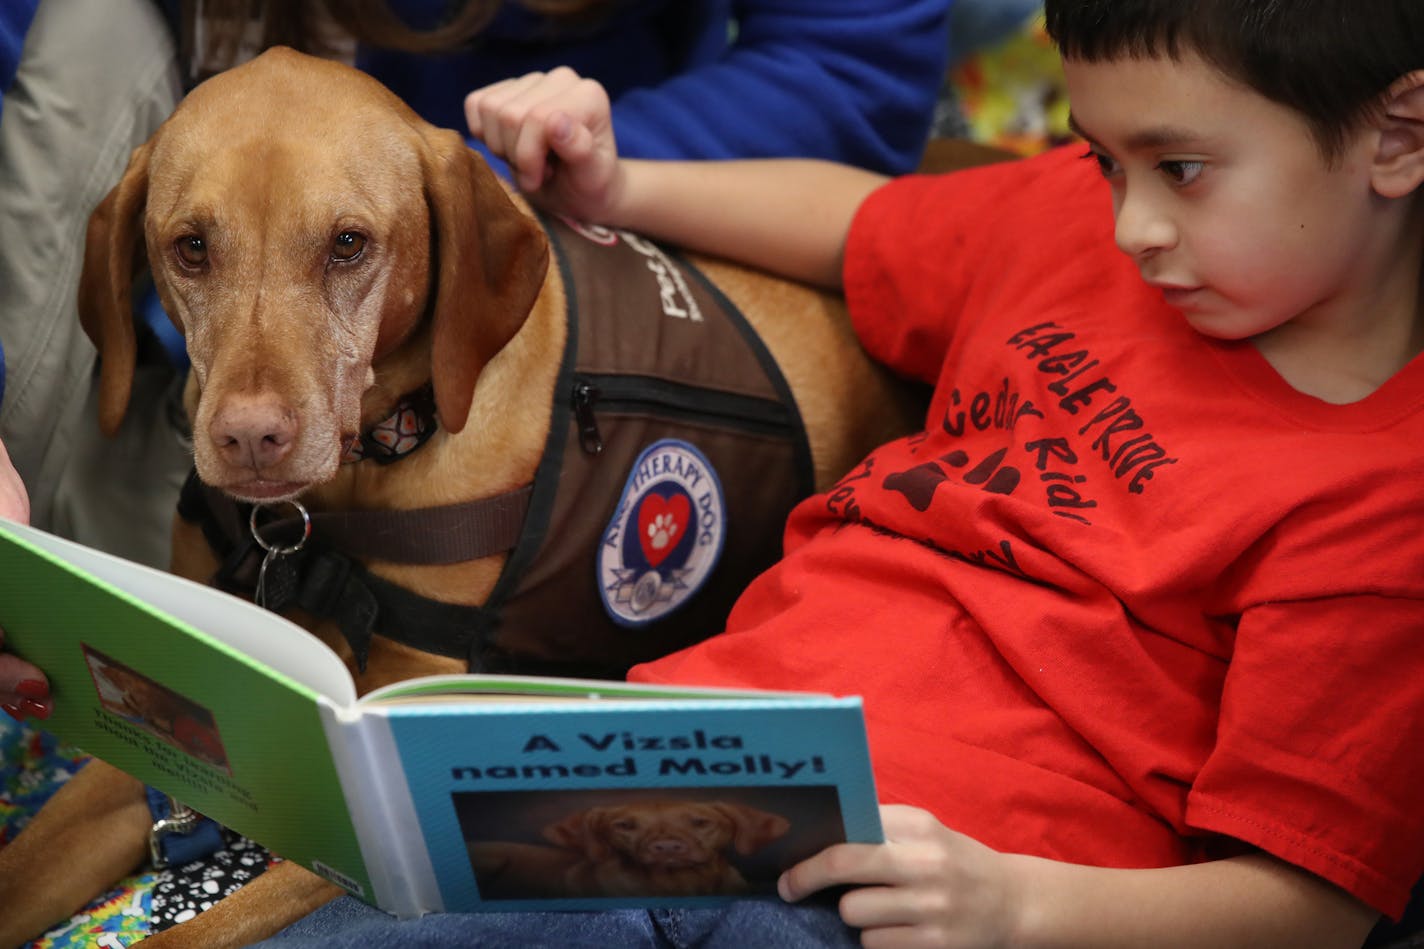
[{"x": 180, "y": 893}]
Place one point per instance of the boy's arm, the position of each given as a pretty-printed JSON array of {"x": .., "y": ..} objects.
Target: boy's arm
[
  {"x": 1254, "y": 901},
  {"x": 789, "y": 216},
  {"x": 930, "y": 886}
]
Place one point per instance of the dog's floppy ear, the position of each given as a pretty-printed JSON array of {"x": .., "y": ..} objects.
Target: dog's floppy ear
[
  {"x": 491, "y": 259},
  {"x": 583, "y": 833},
  {"x": 754, "y": 828},
  {"x": 113, "y": 252}
]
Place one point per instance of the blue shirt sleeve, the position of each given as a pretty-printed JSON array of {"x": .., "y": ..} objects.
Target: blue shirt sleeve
[
  {"x": 848, "y": 80},
  {"x": 854, "y": 81},
  {"x": 15, "y": 17}
]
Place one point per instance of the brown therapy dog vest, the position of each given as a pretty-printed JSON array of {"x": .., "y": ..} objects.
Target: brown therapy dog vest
[
  {"x": 669, "y": 472},
  {"x": 675, "y": 453}
]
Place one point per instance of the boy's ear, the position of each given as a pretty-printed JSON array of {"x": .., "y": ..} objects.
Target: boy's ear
[{"x": 1399, "y": 160}]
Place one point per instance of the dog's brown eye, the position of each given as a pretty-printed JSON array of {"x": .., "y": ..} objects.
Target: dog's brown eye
[
  {"x": 348, "y": 246},
  {"x": 192, "y": 250}
]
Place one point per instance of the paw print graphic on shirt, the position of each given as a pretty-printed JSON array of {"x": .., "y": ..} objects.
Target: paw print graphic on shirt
[
  {"x": 919, "y": 483},
  {"x": 661, "y": 531}
]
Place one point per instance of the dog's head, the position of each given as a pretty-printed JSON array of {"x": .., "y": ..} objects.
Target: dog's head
[
  {"x": 302, "y": 225},
  {"x": 667, "y": 834}
]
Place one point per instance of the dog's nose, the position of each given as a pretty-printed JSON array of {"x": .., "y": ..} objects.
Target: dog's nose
[
  {"x": 669, "y": 847},
  {"x": 253, "y": 431}
]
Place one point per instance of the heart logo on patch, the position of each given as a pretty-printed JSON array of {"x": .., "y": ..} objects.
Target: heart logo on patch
[
  {"x": 665, "y": 538},
  {"x": 661, "y": 522}
]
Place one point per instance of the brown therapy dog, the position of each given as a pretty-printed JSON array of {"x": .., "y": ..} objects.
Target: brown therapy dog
[{"x": 325, "y": 251}]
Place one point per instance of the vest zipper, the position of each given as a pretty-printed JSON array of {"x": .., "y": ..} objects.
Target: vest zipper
[
  {"x": 624, "y": 394},
  {"x": 585, "y": 395}
]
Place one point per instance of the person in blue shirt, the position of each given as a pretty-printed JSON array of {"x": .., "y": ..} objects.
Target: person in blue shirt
[{"x": 850, "y": 80}]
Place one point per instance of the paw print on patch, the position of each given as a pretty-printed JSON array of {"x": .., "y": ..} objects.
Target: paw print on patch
[{"x": 661, "y": 530}]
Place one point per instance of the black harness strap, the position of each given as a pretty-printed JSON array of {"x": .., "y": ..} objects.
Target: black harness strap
[
  {"x": 329, "y": 584},
  {"x": 451, "y": 533}
]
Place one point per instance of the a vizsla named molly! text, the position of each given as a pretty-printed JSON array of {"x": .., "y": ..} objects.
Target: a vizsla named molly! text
[{"x": 326, "y": 253}]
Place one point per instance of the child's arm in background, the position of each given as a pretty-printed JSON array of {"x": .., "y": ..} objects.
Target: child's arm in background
[{"x": 789, "y": 216}]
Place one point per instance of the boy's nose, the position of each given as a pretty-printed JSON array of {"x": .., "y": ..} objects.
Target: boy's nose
[{"x": 1143, "y": 229}]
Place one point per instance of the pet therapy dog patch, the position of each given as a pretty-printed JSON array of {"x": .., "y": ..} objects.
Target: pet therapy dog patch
[{"x": 666, "y": 534}]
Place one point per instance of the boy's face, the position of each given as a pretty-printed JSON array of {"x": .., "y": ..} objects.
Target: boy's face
[{"x": 1223, "y": 200}]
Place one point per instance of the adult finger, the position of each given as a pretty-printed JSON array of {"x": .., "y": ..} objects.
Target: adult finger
[
  {"x": 24, "y": 690},
  {"x": 14, "y": 500}
]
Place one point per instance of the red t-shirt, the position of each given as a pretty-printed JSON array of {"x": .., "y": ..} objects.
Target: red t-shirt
[{"x": 1129, "y": 599}]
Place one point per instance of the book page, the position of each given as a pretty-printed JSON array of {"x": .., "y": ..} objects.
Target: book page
[
  {"x": 507, "y": 687},
  {"x": 179, "y": 708},
  {"x": 269, "y": 639}
]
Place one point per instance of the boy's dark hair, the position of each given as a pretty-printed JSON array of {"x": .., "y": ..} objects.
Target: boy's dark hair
[{"x": 1330, "y": 60}]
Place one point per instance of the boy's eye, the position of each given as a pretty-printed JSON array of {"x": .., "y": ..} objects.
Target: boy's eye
[
  {"x": 1181, "y": 172},
  {"x": 1106, "y": 164}
]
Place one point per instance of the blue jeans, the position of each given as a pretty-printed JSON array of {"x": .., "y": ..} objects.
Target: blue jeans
[{"x": 347, "y": 923}]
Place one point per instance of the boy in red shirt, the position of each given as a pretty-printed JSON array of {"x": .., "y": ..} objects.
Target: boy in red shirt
[{"x": 1138, "y": 614}]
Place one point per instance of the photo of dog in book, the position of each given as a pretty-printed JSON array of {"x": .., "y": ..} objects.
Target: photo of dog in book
[
  {"x": 662, "y": 847},
  {"x": 156, "y": 709},
  {"x": 679, "y": 842}
]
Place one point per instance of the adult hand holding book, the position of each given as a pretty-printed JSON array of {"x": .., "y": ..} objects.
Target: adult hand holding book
[{"x": 23, "y": 688}]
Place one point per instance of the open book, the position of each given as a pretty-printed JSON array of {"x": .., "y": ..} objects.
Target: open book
[{"x": 448, "y": 793}]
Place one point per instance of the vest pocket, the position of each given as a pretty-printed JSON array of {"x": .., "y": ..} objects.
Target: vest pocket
[{"x": 593, "y": 395}]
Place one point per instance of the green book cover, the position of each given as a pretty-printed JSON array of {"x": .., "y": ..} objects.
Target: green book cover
[
  {"x": 448, "y": 793},
  {"x": 165, "y": 694}
]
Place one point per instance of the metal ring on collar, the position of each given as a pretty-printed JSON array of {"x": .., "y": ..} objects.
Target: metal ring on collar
[{"x": 274, "y": 548}]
